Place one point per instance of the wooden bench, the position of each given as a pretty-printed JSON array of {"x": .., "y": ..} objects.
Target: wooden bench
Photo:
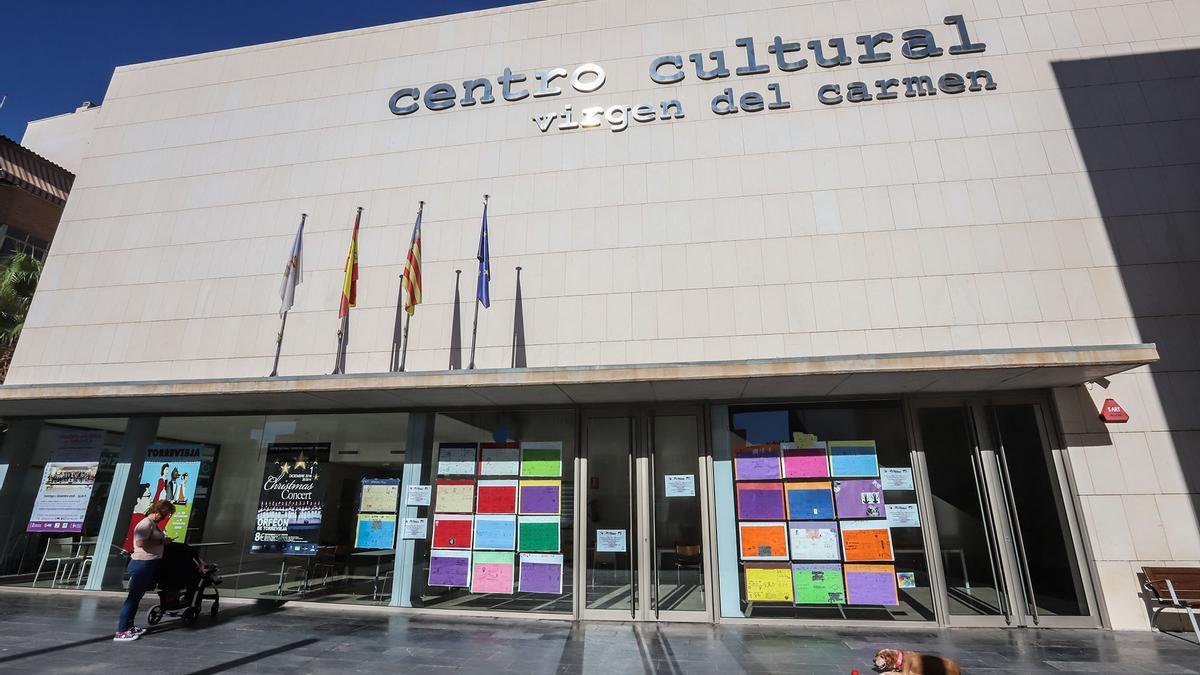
[{"x": 1174, "y": 588}]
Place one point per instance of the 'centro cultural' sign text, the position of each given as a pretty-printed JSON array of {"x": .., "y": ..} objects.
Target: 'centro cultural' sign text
[{"x": 789, "y": 57}]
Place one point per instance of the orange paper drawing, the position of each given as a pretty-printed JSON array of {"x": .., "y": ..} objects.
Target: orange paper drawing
[
  {"x": 866, "y": 541},
  {"x": 764, "y": 541}
]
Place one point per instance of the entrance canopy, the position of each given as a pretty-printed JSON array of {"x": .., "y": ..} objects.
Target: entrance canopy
[{"x": 833, "y": 376}]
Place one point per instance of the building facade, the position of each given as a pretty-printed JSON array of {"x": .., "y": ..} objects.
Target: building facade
[
  {"x": 63, "y": 139},
  {"x": 798, "y": 311}
]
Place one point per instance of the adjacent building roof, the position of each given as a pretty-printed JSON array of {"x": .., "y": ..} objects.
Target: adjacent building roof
[
  {"x": 33, "y": 190},
  {"x": 33, "y": 173}
]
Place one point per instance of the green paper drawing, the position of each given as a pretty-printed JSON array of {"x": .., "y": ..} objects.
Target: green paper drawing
[
  {"x": 819, "y": 584},
  {"x": 538, "y": 534},
  {"x": 541, "y": 460}
]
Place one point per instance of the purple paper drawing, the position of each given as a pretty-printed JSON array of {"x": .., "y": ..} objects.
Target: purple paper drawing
[
  {"x": 859, "y": 498},
  {"x": 871, "y": 585},
  {"x": 450, "y": 568},
  {"x": 757, "y": 462},
  {"x": 760, "y": 501},
  {"x": 541, "y": 573},
  {"x": 540, "y": 497}
]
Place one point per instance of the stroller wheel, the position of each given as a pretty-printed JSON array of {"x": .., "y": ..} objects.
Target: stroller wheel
[
  {"x": 155, "y": 615},
  {"x": 189, "y": 616},
  {"x": 212, "y": 611}
]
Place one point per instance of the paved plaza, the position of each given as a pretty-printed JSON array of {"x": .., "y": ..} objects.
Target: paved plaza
[{"x": 64, "y": 633}]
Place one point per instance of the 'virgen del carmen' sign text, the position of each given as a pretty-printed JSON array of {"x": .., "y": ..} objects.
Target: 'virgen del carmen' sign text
[{"x": 918, "y": 43}]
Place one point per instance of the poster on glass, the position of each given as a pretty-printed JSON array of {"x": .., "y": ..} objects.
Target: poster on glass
[
  {"x": 67, "y": 481},
  {"x": 170, "y": 472},
  {"x": 289, "y": 508}
]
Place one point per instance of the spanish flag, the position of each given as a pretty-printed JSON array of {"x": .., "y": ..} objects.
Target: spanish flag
[
  {"x": 412, "y": 269},
  {"x": 350, "y": 284}
]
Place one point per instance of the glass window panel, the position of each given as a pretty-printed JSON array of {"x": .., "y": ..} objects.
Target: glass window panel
[
  {"x": 678, "y": 522},
  {"x": 466, "y": 576},
  {"x": 878, "y": 572},
  {"x": 226, "y": 493},
  {"x": 1045, "y": 531},
  {"x": 611, "y": 581},
  {"x": 60, "y": 500},
  {"x": 958, "y": 490}
]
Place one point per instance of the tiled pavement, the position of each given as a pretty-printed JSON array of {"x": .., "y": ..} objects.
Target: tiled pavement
[{"x": 62, "y": 633}]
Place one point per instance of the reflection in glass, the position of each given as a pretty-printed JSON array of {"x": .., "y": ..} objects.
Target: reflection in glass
[
  {"x": 51, "y": 536},
  {"x": 541, "y": 584},
  {"x": 611, "y": 580},
  {"x": 677, "y": 519},
  {"x": 883, "y": 423},
  {"x": 957, "y": 487},
  {"x": 326, "y": 561},
  {"x": 1045, "y": 532}
]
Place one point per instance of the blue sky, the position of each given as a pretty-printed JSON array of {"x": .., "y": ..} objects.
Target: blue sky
[{"x": 59, "y": 53}]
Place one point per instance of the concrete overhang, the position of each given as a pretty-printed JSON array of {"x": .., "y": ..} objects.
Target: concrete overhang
[{"x": 803, "y": 377}]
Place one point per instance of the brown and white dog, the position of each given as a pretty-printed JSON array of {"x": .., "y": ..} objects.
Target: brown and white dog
[{"x": 913, "y": 663}]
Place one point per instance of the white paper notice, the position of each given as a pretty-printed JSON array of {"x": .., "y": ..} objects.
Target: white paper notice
[
  {"x": 903, "y": 515},
  {"x": 610, "y": 541},
  {"x": 896, "y": 478},
  {"x": 683, "y": 485},
  {"x": 414, "y": 528},
  {"x": 418, "y": 495}
]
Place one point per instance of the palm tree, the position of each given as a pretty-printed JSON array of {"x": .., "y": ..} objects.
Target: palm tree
[{"x": 19, "y": 274}]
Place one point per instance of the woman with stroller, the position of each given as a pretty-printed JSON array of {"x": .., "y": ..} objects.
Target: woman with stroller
[{"x": 148, "y": 540}]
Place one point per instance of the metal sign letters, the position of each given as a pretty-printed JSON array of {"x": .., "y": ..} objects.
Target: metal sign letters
[{"x": 670, "y": 69}]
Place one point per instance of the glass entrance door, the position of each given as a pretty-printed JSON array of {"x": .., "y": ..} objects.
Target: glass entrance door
[
  {"x": 1007, "y": 538},
  {"x": 645, "y": 534}
]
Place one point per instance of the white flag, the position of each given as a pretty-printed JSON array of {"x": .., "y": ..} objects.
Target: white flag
[{"x": 293, "y": 273}]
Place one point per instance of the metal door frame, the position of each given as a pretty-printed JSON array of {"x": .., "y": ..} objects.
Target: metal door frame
[
  {"x": 641, "y": 540},
  {"x": 1014, "y": 596},
  {"x": 581, "y": 514},
  {"x": 1064, "y": 496},
  {"x": 967, "y": 406}
]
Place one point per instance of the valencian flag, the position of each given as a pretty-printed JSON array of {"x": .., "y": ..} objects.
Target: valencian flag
[
  {"x": 483, "y": 287},
  {"x": 412, "y": 270},
  {"x": 350, "y": 284},
  {"x": 293, "y": 273}
]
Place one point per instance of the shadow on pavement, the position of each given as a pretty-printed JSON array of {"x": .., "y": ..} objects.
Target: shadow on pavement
[
  {"x": 204, "y": 622},
  {"x": 259, "y": 608},
  {"x": 235, "y": 663},
  {"x": 55, "y": 648}
]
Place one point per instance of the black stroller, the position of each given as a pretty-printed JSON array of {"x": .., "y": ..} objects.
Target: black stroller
[{"x": 184, "y": 582}]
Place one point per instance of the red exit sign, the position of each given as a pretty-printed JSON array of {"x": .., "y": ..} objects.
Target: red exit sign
[{"x": 1112, "y": 412}]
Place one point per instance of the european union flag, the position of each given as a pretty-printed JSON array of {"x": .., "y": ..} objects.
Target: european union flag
[{"x": 483, "y": 286}]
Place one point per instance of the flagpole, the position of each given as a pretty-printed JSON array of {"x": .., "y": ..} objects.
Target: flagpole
[
  {"x": 475, "y": 322},
  {"x": 407, "y": 319},
  {"x": 278, "y": 345},
  {"x": 283, "y": 322},
  {"x": 474, "y": 329},
  {"x": 339, "y": 359},
  {"x": 404, "y": 343}
]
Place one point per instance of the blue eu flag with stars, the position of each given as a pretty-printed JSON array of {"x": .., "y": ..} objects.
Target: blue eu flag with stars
[{"x": 483, "y": 286}]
